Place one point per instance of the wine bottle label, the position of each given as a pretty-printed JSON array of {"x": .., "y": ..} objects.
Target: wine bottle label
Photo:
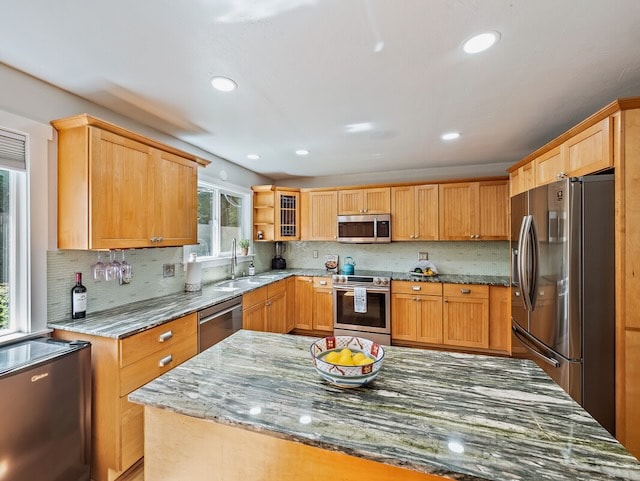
[{"x": 79, "y": 301}]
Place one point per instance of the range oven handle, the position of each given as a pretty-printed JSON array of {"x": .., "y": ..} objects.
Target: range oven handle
[
  {"x": 369, "y": 289},
  {"x": 529, "y": 343}
]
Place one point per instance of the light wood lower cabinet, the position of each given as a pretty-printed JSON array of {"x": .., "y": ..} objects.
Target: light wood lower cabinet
[
  {"x": 416, "y": 312},
  {"x": 266, "y": 309},
  {"x": 472, "y": 317},
  {"x": 119, "y": 366},
  {"x": 465, "y": 315},
  {"x": 313, "y": 305}
]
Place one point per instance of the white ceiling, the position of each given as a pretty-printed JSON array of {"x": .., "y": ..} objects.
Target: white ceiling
[{"x": 307, "y": 69}]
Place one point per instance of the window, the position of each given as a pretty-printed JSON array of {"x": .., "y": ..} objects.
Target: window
[
  {"x": 13, "y": 233},
  {"x": 223, "y": 215}
]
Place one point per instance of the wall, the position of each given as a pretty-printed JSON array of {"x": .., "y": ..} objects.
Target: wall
[
  {"x": 36, "y": 101},
  {"x": 482, "y": 258}
]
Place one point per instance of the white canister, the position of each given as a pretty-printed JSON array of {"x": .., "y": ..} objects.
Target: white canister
[{"x": 194, "y": 274}]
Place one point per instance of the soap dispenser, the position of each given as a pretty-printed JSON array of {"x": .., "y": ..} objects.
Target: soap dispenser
[{"x": 252, "y": 269}]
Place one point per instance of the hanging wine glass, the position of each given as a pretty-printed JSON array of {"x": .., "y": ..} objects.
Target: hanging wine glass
[
  {"x": 112, "y": 272},
  {"x": 98, "y": 269},
  {"x": 126, "y": 271}
]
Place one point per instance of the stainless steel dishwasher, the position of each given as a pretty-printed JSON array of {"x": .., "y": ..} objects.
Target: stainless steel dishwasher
[{"x": 219, "y": 321}]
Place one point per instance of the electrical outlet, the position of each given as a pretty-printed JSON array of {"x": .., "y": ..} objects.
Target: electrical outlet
[
  {"x": 315, "y": 254},
  {"x": 168, "y": 270},
  {"x": 423, "y": 256}
]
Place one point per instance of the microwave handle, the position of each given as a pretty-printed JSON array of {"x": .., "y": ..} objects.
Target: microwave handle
[{"x": 375, "y": 228}]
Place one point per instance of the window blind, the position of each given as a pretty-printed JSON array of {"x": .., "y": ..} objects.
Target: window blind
[{"x": 13, "y": 151}]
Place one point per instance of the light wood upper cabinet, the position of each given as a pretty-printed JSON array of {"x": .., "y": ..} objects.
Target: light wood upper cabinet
[
  {"x": 522, "y": 179},
  {"x": 458, "y": 210},
  {"x": 364, "y": 201},
  {"x": 414, "y": 212},
  {"x": 591, "y": 150},
  {"x": 588, "y": 151},
  {"x": 493, "y": 210},
  {"x": 474, "y": 210},
  {"x": 549, "y": 167},
  {"x": 119, "y": 190},
  {"x": 276, "y": 213},
  {"x": 319, "y": 215}
]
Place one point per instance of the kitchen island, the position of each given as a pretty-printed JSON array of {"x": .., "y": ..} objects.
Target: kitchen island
[{"x": 253, "y": 408}]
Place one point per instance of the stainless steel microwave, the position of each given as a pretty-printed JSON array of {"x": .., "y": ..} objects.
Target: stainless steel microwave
[{"x": 364, "y": 229}]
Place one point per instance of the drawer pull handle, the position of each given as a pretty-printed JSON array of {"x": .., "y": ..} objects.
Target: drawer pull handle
[
  {"x": 165, "y": 360},
  {"x": 416, "y": 288},
  {"x": 323, "y": 283},
  {"x": 465, "y": 291},
  {"x": 165, "y": 336}
]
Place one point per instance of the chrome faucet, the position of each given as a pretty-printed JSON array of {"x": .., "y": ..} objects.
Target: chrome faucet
[{"x": 234, "y": 259}]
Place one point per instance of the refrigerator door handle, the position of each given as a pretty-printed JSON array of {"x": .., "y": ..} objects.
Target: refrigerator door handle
[
  {"x": 529, "y": 343},
  {"x": 523, "y": 256},
  {"x": 535, "y": 256}
]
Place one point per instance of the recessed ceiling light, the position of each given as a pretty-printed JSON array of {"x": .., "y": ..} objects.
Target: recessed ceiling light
[
  {"x": 223, "y": 84},
  {"x": 450, "y": 136},
  {"x": 481, "y": 42},
  {"x": 302, "y": 152},
  {"x": 358, "y": 127},
  {"x": 253, "y": 156}
]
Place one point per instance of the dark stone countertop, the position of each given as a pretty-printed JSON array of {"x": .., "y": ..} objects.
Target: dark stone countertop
[{"x": 130, "y": 319}]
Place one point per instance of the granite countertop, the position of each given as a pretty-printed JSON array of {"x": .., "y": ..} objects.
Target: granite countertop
[
  {"x": 466, "y": 417},
  {"x": 130, "y": 319}
]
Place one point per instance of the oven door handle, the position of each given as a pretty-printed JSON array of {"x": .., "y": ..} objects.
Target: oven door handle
[{"x": 369, "y": 289}]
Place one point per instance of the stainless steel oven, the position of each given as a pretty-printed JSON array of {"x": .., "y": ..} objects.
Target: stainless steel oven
[{"x": 361, "y": 307}]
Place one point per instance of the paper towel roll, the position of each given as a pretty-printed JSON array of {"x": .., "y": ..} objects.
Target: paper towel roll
[{"x": 194, "y": 275}]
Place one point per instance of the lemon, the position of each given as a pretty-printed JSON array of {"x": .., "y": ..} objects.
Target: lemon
[
  {"x": 332, "y": 357},
  {"x": 346, "y": 350},
  {"x": 346, "y": 360},
  {"x": 365, "y": 361},
  {"x": 359, "y": 356}
]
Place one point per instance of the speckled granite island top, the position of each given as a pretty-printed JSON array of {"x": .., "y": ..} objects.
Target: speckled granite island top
[{"x": 459, "y": 416}]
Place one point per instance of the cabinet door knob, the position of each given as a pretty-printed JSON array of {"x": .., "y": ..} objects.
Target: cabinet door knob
[
  {"x": 465, "y": 291},
  {"x": 561, "y": 175},
  {"x": 165, "y": 360},
  {"x": 165, "y": 336}
]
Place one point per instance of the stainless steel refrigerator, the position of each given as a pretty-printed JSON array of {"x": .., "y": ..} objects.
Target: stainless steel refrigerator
[
  {"x": 563, "y": 287},
  {"x": 45, "y": 410}
]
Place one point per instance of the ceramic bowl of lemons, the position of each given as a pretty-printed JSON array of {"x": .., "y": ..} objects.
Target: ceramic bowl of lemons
[{"x": 347, "y": 361}]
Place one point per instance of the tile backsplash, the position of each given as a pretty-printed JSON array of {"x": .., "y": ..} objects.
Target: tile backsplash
[
  {"x": 477, "y": 257},
  {"x": 488, "y": 258},
  {"x": 148, "y": 280}
]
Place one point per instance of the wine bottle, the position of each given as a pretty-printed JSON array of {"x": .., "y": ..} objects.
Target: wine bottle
[{"x": 78, "y": 299}]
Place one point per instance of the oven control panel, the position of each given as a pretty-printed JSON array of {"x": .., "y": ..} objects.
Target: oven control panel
[{"x": 371, "y": 280}]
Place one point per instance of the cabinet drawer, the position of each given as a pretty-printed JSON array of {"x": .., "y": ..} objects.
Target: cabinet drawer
[
  {"x": 131, "y": 432},
  {"x": 141, "y": 372},
  {"x": 322, "y": 282},
  {"x": 466, "y": 290},
  {"x": 252, "y": 298},
  {"x": 421, "y": 288},
  {"x": 141, "y": 345},
  {"x": 276, "y": 288}
]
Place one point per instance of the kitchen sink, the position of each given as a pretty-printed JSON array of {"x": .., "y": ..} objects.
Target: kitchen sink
[
  {"x": 236, "y": 284},
  {"x": 227, "y": 288}
]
